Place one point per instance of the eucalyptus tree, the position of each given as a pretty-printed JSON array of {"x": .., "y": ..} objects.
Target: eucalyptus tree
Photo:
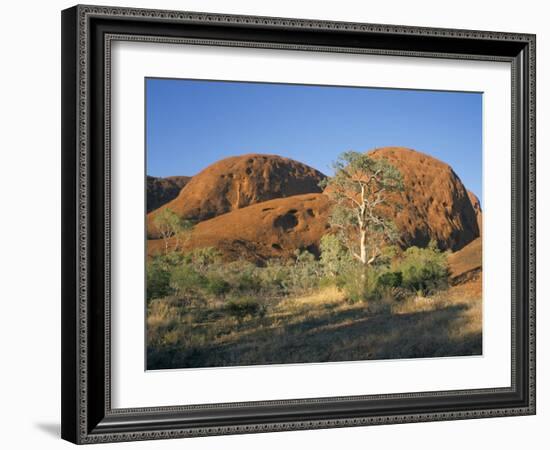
[
  {"x": 172, "y": 229},
  {"x": 359, "y": 190}
]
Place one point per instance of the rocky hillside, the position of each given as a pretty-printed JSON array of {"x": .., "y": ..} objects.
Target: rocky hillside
[
  {"x": 274, "y": 228},
  {"x": 240, "y": 181},
  {"x": 162, "y": 190},
  {"x": 477, "y": 208},
  {"x": 263, "y": 206},
  {"x": 434, "y": 204},
  {"x": 465, "y": 265}
]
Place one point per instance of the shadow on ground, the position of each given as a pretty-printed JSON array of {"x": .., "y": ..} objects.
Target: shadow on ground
[{"x": 348, "y": 335}]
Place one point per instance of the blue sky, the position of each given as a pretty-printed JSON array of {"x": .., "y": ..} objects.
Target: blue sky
[{"x": 193, "y": 123}]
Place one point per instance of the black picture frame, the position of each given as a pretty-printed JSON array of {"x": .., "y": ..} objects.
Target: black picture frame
[{"x": 87, "y": 416}]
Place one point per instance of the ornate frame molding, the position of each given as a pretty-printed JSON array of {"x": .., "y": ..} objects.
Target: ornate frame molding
[{"x": 80, "y": 423}]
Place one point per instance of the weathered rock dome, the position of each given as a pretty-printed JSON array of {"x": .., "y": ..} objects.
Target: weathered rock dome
[
  {"x": 240, "y": 181},
  {"x": 434, "y": 203}
]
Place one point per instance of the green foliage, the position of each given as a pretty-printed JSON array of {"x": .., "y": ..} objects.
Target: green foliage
[
  {"x": 420, "y": 270},
  {"x": 171, "y": 259},
  {"x": 203, "y": 259},
  {"x": 248, "y": 282},
  {"x": 171, "y": 226},
  {"x": 358, "y": 189},
  {"x": 158, "y": 280},
  {"x": 242, "y": 276},
  {"x": 371, "y": 290},
  {"x": 167, "y": 221},
  {"x": 274, "y": 277},
  {"x": 360, "y": 284},
  {"x": 216, "y": 286},
  {"x": 351, "y": 167},
  {"x": 335, "y": 258},
  {"x": 387, "y": 254},
  {"x": 424, "y": 269},
  {"x": 186, "y": 280},
  {"x": 390, "y": 279},
  {"x": 304, "y": 274},
  {"x": 202, "y": 275}
]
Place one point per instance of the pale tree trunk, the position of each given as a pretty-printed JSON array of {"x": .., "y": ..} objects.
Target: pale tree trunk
[
  {"x": 363, "y": 229},
  {"x": 363, "y": 253},
  {"x": 363, "y": 247},
  {"x": 165, "y": 238}
]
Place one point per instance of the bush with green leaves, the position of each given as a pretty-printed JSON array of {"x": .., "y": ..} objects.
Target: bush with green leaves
[
  {"x": 158, "y": 279},
  {"x": 204, "y": 259},
  {"x": 424, "y": 270},
  {"x": 215, "y": 285},
  {"x": 275, "y": 276},
  {"x": 236, "y": 276},
  {"x": 335, "y": 258},
  {"x": 390, "y": 279},
  {"x": 241, "y": 275},
  {"x": 186, "y": 280},
  {"x": 360, "y": 283},
  {"x": 202, "y": 274},
  {"x": 304, "y": 273}
]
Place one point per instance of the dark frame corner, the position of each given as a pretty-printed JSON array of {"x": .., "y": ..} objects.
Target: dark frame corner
[{"x": 87, "y": 416}]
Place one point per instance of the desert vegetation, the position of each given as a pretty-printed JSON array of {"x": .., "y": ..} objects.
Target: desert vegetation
[
  {"x": 204, "y": 312},
  {"x": 344, "y": 280}
]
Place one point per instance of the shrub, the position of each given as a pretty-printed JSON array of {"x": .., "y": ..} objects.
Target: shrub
[
  {"x": 274, "y": 277},
  {"x": 185, "y": 279},
  {"x": 335, "y": 258},
  {"x": 171, "y": 259},
  {"x": 360, "y": 283},
  {"x": 216, "y": 285},
  {"x": 204, "y": 258},
  {"x": 390, "y": 279},
  {"x": 243, "y": 307},
  {"x": 241, "y": 276},
  {"x": 389, "y": 254},
  {"x": 424, "y": 269},
  {"x": 248, "y": 282},
  {"x": 158, "y": 280},
  {"x": 305, "y": 273}
]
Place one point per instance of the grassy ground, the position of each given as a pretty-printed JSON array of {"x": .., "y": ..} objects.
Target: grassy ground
[{"x": 318, "y": 327}]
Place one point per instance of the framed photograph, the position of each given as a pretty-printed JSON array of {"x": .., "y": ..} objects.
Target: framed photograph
[{"x": 277, "y": 224}]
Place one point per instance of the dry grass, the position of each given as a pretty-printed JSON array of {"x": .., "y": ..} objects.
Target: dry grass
[
  {"x": 318, "y": 327},
  {"x": 324, "y": 297}
]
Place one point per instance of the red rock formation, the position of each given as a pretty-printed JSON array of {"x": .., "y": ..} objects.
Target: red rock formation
[
  {"x": 274, "y": 228},
  {"x": 434, "y": 203},
  {"x": 162, "y": 190},
  {"x": 466, "y": 264},
  {"x": 240, "y": 181},
  {"x": 249, "y": 223},
  {"x": 477, "y": 208}
]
